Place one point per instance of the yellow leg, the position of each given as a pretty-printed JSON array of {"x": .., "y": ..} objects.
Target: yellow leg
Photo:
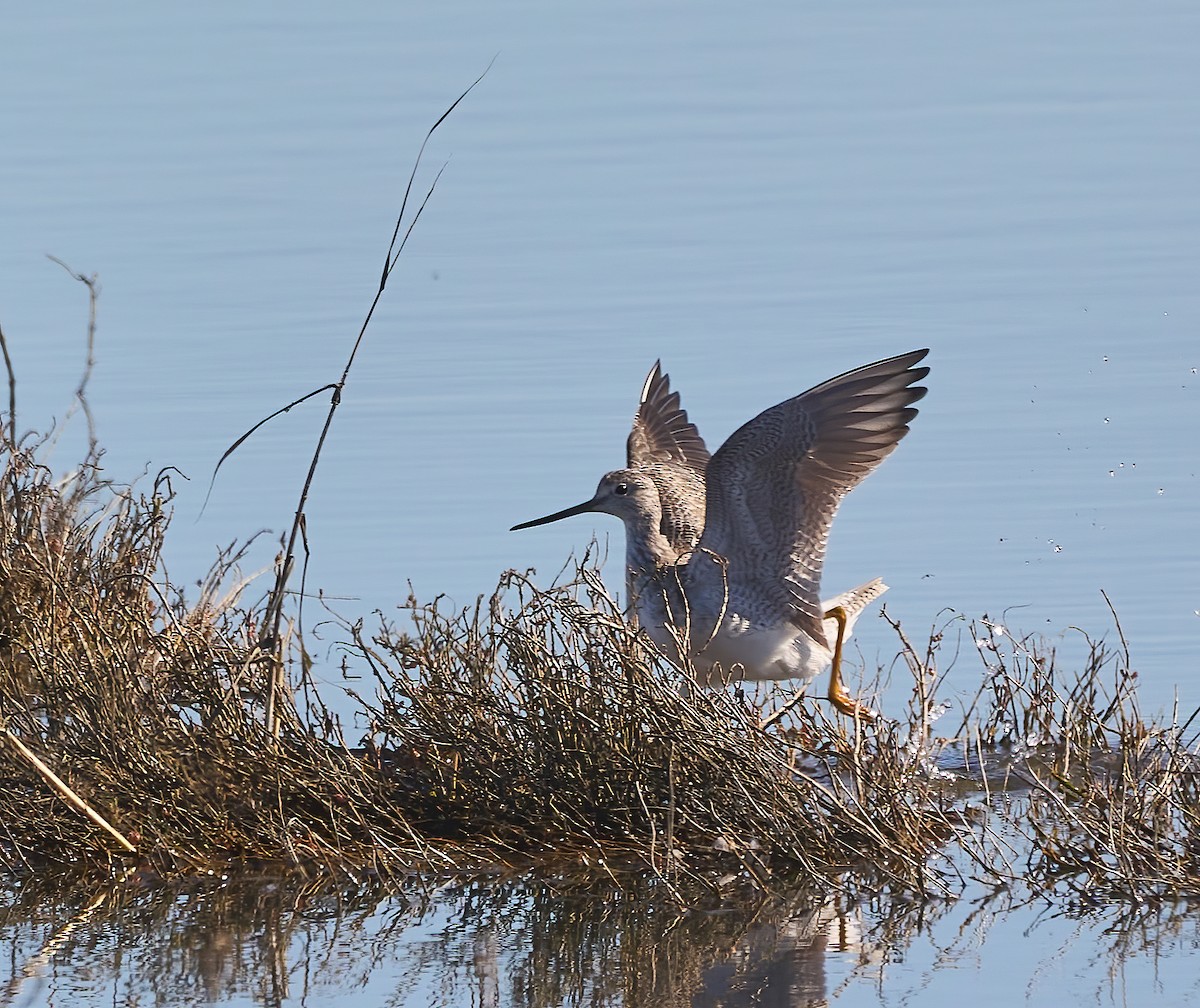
[{"x": 837, "y": 691}]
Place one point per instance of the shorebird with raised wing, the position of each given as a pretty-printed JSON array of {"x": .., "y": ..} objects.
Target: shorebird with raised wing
[{"x": 739, "y": 597}]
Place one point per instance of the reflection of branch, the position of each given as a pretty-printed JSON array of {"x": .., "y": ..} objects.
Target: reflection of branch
[
  {"x": 37, "y": 962},
  {"x": 65, "y": 791},
  {"x": 91, "y": 283}
]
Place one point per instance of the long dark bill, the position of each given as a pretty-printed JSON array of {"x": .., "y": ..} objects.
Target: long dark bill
[{"x": 566, "y": 513}]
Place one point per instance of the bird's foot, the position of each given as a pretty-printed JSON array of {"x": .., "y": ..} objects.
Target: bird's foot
[{"x": 851, "y": 708}]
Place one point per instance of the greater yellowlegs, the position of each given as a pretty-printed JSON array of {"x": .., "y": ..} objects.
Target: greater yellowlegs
[{"x": 743, "y": 602}]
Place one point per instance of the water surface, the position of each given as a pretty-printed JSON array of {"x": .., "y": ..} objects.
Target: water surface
[{"x": 563, "y": 941}]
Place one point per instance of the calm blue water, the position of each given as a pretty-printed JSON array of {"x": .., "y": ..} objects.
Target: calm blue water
[{"x": 761, "y": 198}]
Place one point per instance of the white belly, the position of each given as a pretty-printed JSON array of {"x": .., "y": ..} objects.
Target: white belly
[{"x": 740, "y": 649}]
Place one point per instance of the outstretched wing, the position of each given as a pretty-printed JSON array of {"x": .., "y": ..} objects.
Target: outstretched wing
[
  {"x": 661, "y": 429},
  {"x": 666, "y": 445},
  {"x": 775, "y": 485}
]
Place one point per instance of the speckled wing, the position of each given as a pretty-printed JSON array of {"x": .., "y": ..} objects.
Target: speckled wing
[
  {"x": 665, "y": 444},
  {"x": 775, "y": 485}
]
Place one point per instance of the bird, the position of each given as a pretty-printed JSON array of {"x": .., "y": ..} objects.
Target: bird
[{"x": 736, "y": 597}]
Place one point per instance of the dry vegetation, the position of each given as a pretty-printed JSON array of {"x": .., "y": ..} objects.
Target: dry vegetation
[
  {"x": 147, "y": 708},
  {"x": 141, "y": 738},
  {"x": 1113, "y": 809},
  {"x": 541, "y": 725}
]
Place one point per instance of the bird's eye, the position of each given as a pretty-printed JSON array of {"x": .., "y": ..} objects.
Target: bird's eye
[{"x": 621, "y": 489}]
